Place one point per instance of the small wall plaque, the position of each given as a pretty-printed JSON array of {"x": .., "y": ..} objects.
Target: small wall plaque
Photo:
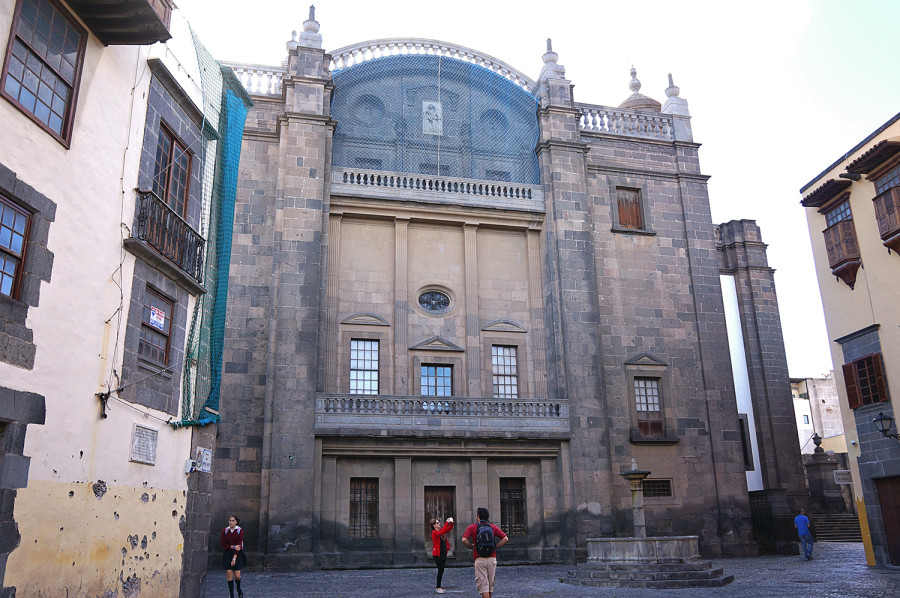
[
  {"x": 143, "y": 444},
  {"x": 842, "y": 476}
]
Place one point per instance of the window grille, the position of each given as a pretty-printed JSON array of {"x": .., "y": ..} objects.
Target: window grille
[
  {"x": 171, "y": 178},
  {"x": 839, "y": 213},
  {"x": 864, "y": 380},
  {"x": 888, "y": 180},
  {"x": 436, "y": 380},
  {"x": 44, "y": 64},
  {"x": 657, "y": 488},
  {"x": 646, "y": 397},
  {"x": 13, "y": 235},
  {"x": 156, "y": 323},
  {"x": 363, "y": 367},
  {"x": 363, "y": 507},
  {"x": 505, "y": 372},
  {"x": 512, "y": 506}
]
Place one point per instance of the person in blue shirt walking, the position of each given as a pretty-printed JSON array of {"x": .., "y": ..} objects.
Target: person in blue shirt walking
[{"x": 801, "y": 522}]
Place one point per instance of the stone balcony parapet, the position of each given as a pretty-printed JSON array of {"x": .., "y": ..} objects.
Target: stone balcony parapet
[
  {"x": 380, "y": 415},
  {"x": 629, "y": 123},
  {"x": 358, "y": 182}
]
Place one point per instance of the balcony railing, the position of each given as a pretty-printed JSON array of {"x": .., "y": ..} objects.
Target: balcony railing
[
  {"x": 843, "y": 251},
  {"x": 887, "y": 213},
  {"x": 413, "y": 415},
  {"x": 167, "y": 232}
]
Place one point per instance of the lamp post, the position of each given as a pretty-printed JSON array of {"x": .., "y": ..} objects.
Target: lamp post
[{"x": 883, "y": 424}]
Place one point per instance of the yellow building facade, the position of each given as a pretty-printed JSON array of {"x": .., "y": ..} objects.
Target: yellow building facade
[{"x": 852, "y": 208}]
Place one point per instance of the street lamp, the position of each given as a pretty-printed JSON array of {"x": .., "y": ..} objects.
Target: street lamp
[{"x": 883, "y": 424}]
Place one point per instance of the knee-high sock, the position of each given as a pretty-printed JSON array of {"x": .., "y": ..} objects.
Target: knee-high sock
[
  {"x": 231, "y": 588},
  {"x": 238, "y": 583}
]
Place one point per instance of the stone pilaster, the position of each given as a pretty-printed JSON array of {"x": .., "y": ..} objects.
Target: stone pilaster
[{"x": 473, "y": 325}]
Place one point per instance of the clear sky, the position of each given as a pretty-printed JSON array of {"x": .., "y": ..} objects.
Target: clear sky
[{"x": 778, "y": 90}]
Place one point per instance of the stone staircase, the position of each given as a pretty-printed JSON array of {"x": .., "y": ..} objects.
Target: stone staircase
[
  {"x": 843, "y": 527},
  {"x": 692, "y": 574}
]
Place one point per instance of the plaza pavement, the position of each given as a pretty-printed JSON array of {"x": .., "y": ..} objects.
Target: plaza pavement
[{"x": 837, "y": 570}]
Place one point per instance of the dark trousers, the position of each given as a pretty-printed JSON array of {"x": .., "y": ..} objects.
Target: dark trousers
[{"x": 441, "y": 562}]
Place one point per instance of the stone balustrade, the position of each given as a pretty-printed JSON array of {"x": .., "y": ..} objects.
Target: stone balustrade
[
  {"x": 414, "y": 415},
  {"x": 258, "y": 80},
  {"x": 632, "y": 123},
  {"x": 431, "y": 188},
  {"x": 357, "y": 53}
]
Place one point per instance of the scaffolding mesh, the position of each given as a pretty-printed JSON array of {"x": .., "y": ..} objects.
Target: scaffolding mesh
[
  {"x": 225, "y": 106},
  {"x": 434, "y": 115}
]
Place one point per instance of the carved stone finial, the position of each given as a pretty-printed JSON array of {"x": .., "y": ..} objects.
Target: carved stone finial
[
  {"x": 310, "y": 37},
  {"x": 634, "y": 85},
  {"x": 550, "y": 56},
  {"x": 292, "y": 43},
  {"x": 672, "y": 90},
  {"x": 311, "y": 24}
]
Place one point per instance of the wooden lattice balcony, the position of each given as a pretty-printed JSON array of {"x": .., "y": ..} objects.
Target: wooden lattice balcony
[
  {"x": 843, "y": 251},
  {"x": 887, "y": 213}
]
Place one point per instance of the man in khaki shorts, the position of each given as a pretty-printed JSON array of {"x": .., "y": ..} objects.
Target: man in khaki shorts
[{"x": 485, "y": 564}]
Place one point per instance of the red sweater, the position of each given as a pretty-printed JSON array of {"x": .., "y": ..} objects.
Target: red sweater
[
  {"x": 231, "y": 538},
  {"x": 437, "y": 536}
]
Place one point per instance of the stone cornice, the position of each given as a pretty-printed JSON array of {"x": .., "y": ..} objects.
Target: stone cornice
[
  {"x": 618, "y": 170},
  {"x": 552, "y": 109},
  {"x": 562, "y": 145}
]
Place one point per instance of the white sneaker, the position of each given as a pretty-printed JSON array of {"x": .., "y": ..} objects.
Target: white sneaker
[{"x": 439, "y": 591}]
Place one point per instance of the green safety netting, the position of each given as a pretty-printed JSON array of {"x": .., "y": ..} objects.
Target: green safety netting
[
  {"x": 434, "y": 115},
  {"x": 225, "y": 106}
]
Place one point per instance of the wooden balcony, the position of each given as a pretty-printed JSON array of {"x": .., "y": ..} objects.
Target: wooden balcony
[
  {"x": 163, "y": 239},
  {"x": 126, "y": 22},
  {"x": 887, "y": 213},
  {"x": 843, "y": 251},
  {"x": 390, "y": 415}
]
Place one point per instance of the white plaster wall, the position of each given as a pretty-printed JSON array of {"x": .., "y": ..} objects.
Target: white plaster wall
[
  {"x": 739, "y": 371},
  {"x": 804, "y": 430},
  {"x": 79, "y": 332}
]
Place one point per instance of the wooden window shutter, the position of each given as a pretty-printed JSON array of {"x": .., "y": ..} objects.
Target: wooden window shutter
[
  {"x": 878, "y": 372},
  {"x": 851, "y": 384}
]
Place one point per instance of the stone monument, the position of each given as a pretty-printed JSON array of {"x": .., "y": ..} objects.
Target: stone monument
[{"x": 642, "y": 562}]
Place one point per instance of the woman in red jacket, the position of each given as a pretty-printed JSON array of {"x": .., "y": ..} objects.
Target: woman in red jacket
[
  {"x": 233, "y": 558},
  {"x": 439, "y": 548}
]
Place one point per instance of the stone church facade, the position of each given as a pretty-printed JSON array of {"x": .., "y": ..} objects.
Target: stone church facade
[{"x": 452, "y": 287}]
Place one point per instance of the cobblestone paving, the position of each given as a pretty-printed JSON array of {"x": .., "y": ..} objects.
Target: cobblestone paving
[{"x": 838, "y": 570}]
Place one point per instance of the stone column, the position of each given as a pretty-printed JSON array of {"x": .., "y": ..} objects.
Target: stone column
[
  {"x": 473, "y": 325},
  {"x": 403, "y": 508},
  {"x": 402, "y": 384}
]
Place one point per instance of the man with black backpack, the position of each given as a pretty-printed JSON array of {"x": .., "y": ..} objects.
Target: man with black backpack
[{"x": 484, "y": 538}]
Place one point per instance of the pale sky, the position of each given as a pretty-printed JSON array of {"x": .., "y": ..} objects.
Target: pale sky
[{"x": 778, "y": 90}]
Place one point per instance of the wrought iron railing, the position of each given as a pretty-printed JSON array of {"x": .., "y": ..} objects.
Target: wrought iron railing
[{"x": 167, "y": 232}]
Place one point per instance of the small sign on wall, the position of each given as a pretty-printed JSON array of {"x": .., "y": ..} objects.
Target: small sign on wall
[
  {"x": 143, "y": 444},
  {"x": 158, "y": 318},
  {"x": 204, "y": 459},
  {"x": 842, "y": 476}
]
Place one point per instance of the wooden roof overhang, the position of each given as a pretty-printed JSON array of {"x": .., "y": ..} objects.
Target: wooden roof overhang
[
  {"x": 825, "y": 193},
  {"x": 875, "y": 157}
]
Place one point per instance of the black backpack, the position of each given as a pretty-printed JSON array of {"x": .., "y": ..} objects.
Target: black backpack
[{"x": 484, "y": 540}]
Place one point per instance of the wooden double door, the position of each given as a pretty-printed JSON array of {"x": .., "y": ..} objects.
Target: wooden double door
[
  {"x": 440, "y": 502},
  {"x": 889, "y": 499}
]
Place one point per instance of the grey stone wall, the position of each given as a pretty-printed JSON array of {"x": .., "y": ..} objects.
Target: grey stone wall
[
  {"x": 17, "y": 410},
  {"x": 16, "y": 343},
  {"x": 743, "y": 255}
]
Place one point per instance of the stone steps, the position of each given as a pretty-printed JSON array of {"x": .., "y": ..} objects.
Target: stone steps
[
  {"x": 642, "y": 578},
  {"x": 837, "y": 528}
]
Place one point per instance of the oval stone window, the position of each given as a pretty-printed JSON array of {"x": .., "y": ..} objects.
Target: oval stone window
[{"x": 434, "y": 301}]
